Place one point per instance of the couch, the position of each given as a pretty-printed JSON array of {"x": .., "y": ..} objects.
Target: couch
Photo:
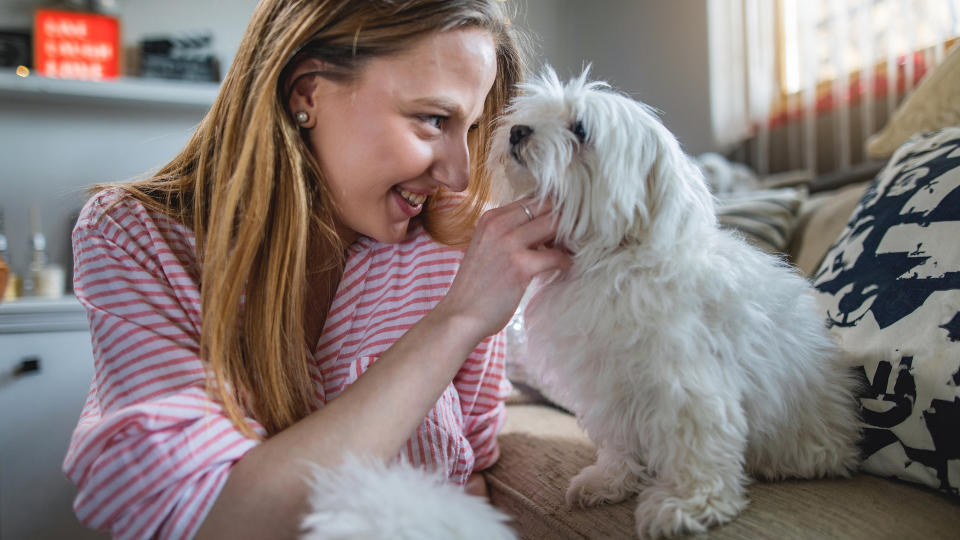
[{"x": 542, "y": 448}]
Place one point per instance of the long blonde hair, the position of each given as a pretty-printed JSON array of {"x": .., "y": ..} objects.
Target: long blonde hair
[{"x": 248, "y": 186}]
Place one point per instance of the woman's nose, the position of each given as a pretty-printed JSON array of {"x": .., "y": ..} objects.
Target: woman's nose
[{"x": 452, "y": 168}]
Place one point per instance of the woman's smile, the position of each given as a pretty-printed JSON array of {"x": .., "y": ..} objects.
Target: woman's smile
[{"x": 411, "y": 203}]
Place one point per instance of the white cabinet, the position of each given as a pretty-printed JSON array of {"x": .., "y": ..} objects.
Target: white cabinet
[{"x": 38, "y": 411}]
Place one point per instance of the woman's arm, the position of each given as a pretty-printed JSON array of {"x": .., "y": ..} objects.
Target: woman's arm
[{"x": 265, "y": 494}]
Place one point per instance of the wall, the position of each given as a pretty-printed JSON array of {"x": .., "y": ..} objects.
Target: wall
[
  {"x": 50, "y": 151},
  {"x": 657, "y": 51},
  {"x": 543, "y": 22}
]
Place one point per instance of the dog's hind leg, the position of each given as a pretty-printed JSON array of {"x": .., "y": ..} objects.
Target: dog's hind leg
[
  {"x": 818, "y": 440},
  {"x": 695, "y": 444},
  {"x": 614, "y": 477}
]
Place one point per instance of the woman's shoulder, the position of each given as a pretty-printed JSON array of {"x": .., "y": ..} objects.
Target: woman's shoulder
[
  {"x": 108, "y": 206},
  {"x": 110, "y": 203},
  {"x": 115, "y": 217},
  {"x": 115, "y": 209}
]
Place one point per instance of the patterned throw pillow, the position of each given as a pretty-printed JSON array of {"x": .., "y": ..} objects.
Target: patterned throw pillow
[{"x": 891, "y": 289}]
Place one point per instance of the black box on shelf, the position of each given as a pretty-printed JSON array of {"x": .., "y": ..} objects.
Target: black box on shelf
[
  {"x": 184, "y": 57},
  {"x": 16, "y": 48}
]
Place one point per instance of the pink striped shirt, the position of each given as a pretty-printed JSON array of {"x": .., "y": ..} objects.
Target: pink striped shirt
[{"x": 151, "y": 450}]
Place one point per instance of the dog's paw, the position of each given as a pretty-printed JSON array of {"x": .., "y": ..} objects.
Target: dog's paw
[
  {"x": 594, "y": 485},
  {"x": 664, "y": 513}
]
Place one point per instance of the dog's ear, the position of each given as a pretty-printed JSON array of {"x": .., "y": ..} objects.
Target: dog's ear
[{"x": 678, "y": 202}]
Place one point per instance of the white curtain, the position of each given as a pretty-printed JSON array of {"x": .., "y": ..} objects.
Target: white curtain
[
  {"x": 796, "y": 58},
  {"x": 728, "y": 72}
]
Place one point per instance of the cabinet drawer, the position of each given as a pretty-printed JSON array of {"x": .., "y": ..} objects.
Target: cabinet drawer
[{"x": 38, "y": 410}]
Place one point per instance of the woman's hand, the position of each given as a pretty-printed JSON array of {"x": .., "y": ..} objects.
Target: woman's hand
[
  {"x": 477, "y": 486},
  {"x": 507, "y": 251}
]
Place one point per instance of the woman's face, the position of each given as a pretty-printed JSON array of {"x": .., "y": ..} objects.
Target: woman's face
[{"x": 390, "y": 138}]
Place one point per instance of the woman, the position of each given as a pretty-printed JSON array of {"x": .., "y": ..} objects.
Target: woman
[{"x": 302, "y": 238}]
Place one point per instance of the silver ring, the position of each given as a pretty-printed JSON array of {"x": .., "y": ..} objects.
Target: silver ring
[{"x": 526, "y": 211}]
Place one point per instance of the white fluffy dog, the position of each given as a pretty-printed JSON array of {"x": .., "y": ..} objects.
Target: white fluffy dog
[
  {"x": 691, "y": 359},
  {"x": 363, "y": 499}
]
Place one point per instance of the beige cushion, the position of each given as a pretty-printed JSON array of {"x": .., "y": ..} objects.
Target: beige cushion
[
  {"x": 933, "y": 104},
  {"x": 543, "y": 448},
  {"x": 821, "y": 220}
]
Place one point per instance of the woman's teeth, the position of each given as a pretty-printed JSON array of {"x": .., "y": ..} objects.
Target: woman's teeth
[{"x": 415, "y": 199}]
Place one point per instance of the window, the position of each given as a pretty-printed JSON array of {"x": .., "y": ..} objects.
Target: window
[
  {"x": 803, "y": 83},
  {"x": 827, "y": 40}
]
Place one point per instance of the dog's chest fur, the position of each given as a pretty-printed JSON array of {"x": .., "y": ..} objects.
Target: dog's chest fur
[{"x": 610, "y": 327}]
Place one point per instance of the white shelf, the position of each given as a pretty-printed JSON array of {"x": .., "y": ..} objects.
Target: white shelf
[
  {"x": 124, "y": 90},
  {"x": 42, "y": 315}
]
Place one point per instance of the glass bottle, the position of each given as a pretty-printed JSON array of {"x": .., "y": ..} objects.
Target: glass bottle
[
  {"x": 44, "y": 279},
  {"x": 10, "y": 289}
]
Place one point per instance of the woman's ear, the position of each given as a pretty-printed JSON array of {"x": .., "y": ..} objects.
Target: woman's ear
[{"x": 303, "y": 92}]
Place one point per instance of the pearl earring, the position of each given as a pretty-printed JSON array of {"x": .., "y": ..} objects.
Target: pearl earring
[{"x": 302, "y": 117}]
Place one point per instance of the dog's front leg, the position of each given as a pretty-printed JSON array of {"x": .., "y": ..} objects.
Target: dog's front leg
[
  {"x": 615, "y": 476},
  {"x": 695, "y": 441}
]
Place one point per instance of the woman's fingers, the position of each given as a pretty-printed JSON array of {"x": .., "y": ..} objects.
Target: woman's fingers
[
  {"x": 529, "y": 239},
  {"x": 542, "y": 230},
  {"x": 521, "y": 211},
  {"x": 548, "y": 260},
  {"x": 530, "y": 222}
]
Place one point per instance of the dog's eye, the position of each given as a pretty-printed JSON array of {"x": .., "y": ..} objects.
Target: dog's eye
[{"x": 577, "y": 129}]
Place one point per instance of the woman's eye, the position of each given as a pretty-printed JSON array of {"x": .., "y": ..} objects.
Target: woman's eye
[
  {"x": 434, "y": 120},
  {"x": 474, "y": 127}
]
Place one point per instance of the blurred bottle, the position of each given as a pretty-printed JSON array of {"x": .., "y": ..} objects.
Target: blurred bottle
[
  {"x": 4, "y": 272},
  {"x": 43, "y": 279},
  {"x": 10, "y": 283},
  {"x": 4, "y": 269}
]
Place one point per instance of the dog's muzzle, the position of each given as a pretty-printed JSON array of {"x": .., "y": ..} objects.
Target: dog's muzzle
[{"x": 518, "y": 134}]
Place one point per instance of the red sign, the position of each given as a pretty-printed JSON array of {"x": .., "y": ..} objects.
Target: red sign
[{"x": 76, "y": 45}]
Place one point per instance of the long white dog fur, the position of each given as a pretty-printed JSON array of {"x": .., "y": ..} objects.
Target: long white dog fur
[
  {"x": 692, "y": 360},
  {"x": 364, "y": 499}
]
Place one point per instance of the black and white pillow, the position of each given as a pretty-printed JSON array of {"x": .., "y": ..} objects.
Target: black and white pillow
[{"x": 890, "y": 287}]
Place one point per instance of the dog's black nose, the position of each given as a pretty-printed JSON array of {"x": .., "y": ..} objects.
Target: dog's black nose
[{"x": 519, "y": 133}]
